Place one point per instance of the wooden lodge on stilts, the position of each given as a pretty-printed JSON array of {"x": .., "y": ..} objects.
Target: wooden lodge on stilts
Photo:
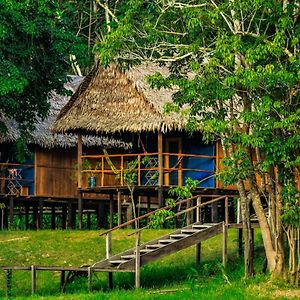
[
  {"x": 46, "y": 183},
  {"x": 122, "y": 105}
]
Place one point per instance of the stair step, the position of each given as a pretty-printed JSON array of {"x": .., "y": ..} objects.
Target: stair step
[
  {"x": 155, "y": 246},
  {"x": 117, "y": 262},
  {"x": 178, "y": 235},
  {"x": 127, "y": 257},
  {"x": 146, "y": 250},
  {"x": 169, "y": 241},
  {"x": 191, "y": 231},
  {"x": 200, "y": 226}
]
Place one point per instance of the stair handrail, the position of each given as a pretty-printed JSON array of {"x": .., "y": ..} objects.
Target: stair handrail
[
  {"x": 190, "y": 209},
  {"x": 147, "y": 215}
]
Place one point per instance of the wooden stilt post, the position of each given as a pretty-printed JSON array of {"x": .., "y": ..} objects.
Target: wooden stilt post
[
  {"x": 101, "y": 216},
  {"x": 64, "y": 217},
  {"x": 108, "y": 255},
  {"x": 40, "y": 216},
  {"x": 33, "y": 279},
  {"x": 129, "y": 213},
  {"x": 198, "y": 219},
  {"x": 26, "y": 216},
  {"x": 80, "y": 211},
  {"x": 79, "y": 179},
  {"x": 119, "y": 209},
  {"x": 188, "y": 214},
  {"x": 226, "y": 211},
  {"x": 137, "y": 261},
  {"x": 69, "y": 225},
  {"x": 53, "y": 223},
  {"x": 1, "y": 218},
  {"x": 111, "y": 211},
  {"x": 225, "y": 238},
  {"x": 88, "y": 219},
  {"x": 90, "y": 279},
  {"x": 62, "y": 280},
  {"x": 35, "y": 218},
  {"x": 11, "y": 211},
  {"x": 148, "y": 204},
  {"x": 214, "y": 212},
  {"x": 160, "y": 169}
]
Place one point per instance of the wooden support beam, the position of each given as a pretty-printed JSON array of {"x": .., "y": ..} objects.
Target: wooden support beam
[
  {"x": 160, "y": 169},
  {"x": 108, "y": 255},
  {"x": 11, "y": 211},
  {"x": 33, "y": 279},
  {"x": 225, "y": 240},
  {"x": 80, "y": 211},
  {"x": 119, "y": 209},
  {"x": 53, "y": 217},
  {"x": 137, "y": 260},
  {"x": 111, "y": 211}
]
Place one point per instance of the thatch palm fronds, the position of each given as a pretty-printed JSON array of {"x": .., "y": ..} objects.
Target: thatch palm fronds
[{"x": 110, "y": 101}]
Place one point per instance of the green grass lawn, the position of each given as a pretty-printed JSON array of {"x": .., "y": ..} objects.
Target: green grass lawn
[{"x": 173, "y": 277}]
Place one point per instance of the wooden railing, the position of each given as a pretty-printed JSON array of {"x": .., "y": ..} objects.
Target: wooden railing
[
  {"x": 11, "y": 179},
  {"x": 110, "y": 168}
]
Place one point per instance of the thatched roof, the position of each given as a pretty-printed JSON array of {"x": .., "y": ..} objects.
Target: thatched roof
[
  {"x": 44, "y": 137},
  {"x": 109, "y": 101}
]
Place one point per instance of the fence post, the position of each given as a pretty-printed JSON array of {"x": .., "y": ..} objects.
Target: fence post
[
  {"x": 198, "y": 219},
  {"x": 119, "y": 209},
  {"x": 90, "y": 279},
  {"x": 62, "y": 280},
  {"x": 8, "y": 276},
  {"x": 225, "y": 238},
  {"x": 226, "y": 211},
  {"x": 137, "y": 261},
  {"x": 33, "y": 279},
  {"x": 108, "y": 255}
]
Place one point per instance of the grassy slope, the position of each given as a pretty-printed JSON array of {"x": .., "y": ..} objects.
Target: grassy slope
[{"x": 176, "y": 271}]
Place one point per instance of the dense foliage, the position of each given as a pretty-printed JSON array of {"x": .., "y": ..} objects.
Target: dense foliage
[
  {"x": 237, "y": 66},
  {"x": 36, "y": 42}
]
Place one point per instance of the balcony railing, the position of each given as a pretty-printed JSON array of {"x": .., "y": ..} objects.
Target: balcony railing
[
  {"x": 12, "y": 181},
  {"x": 112, "y": 169}
]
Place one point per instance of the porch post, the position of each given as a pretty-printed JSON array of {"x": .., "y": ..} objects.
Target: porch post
[
  {"x": 79, "y": 179},
  {"x": 160, "y": 169}
]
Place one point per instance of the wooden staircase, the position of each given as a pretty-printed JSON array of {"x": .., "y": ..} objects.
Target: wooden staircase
[{"x": 160, "y": 247}]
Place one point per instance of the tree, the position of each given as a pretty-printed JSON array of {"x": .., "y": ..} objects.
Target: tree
[
  {"x": 36, "y": 42},
  {"x": 236, "y": 63}
]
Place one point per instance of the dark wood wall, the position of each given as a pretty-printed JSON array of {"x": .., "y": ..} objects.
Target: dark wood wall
[{"x": 55, "y": 172}]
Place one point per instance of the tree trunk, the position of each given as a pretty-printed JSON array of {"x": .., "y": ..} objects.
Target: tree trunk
[{"x": 263, "y": 223}]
